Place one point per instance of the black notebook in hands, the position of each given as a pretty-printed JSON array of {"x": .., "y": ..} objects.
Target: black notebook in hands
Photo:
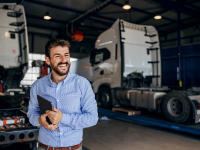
[{"x": 44, "y": 106}]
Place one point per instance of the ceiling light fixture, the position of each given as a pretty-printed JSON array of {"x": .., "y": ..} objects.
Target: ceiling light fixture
[
  {"x": 126, "y": 6},
  {"x": 157, "y": 16},
  {"x": 47, "y": 17}
]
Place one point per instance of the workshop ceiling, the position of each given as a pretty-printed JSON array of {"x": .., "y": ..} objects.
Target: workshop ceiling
[{"x": 62, "y": 12}]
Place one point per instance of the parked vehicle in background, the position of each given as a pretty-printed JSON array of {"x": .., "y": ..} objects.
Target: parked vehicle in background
[
  {"x": 126, "y": 70},
  {"x": 14, "y": 49}
]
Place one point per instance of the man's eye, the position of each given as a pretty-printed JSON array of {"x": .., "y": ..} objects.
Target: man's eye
[{"x": 57, "y": 56}]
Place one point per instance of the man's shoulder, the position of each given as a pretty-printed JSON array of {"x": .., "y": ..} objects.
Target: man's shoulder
[
  {"x": 76, "y": 77},
  {"x": 39, "y": 81}
]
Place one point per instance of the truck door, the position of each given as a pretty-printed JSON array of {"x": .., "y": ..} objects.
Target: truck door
[{"x": 101, "y": 66}]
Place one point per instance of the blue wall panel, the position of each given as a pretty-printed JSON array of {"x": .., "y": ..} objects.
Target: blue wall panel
[{"x": 190, "y": 65}]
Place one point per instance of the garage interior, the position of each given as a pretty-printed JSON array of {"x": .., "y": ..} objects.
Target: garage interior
[{"x": 178, "y": 28}]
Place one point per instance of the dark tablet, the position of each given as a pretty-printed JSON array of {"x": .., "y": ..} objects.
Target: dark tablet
[{"x": 44, "y": 106}]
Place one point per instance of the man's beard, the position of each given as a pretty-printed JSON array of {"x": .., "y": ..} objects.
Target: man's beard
[{"x": 55, "y": 68}]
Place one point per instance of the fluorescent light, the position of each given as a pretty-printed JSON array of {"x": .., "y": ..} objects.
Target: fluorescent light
[
  {"x": 47, "y": 17},
  {"x": 157, "y": 17},
  {"x": 126, "y": 6}
]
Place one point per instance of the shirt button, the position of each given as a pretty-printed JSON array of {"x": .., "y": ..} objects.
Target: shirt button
[{"x": 57, "y": 100}]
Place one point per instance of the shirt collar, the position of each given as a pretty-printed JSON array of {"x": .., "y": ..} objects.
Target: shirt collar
[{"x": 63, "y": 82}]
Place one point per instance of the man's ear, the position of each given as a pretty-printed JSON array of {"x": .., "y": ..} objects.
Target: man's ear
[{"x": 47, "y": 59}]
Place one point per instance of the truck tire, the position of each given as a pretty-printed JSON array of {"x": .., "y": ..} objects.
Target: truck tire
[
  {"x": 105, "y": 98},
  {"x": 176, "y": 107}
]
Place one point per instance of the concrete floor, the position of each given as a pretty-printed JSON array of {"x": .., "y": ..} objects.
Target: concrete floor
[{"x": 120, "y": 135}]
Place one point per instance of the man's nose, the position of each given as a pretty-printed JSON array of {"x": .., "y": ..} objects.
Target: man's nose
[{"x": 63, "y": 59}]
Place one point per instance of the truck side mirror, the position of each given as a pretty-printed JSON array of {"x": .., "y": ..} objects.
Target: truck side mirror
[{"x": 92, "y": 56}]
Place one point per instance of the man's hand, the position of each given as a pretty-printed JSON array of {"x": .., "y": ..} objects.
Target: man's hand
[
  {"x": 55, "y": 116},
  {"x": 42, "y": 121}
]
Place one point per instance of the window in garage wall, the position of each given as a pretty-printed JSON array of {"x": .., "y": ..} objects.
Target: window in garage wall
[{"x": 33, "y": 72}]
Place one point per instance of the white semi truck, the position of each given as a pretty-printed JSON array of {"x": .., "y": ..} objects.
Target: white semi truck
[
  {"x": 126, "y": 71},
  {"x": 14, "y": 49},
  {"x": 14, "y": 46}
]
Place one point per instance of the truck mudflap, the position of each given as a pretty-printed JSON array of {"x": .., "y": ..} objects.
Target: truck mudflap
[{"x": 195, "y": 102}]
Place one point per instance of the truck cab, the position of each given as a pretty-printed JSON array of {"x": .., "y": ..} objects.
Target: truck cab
[{"x": 126, "y": 56}]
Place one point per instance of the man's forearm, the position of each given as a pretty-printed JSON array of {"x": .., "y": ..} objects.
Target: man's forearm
[
  {"x": 33, "y": 118},
  {"x": 79, "y": 121}
]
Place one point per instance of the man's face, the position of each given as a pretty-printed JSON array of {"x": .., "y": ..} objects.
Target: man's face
[{"x": 59, "y": 60}]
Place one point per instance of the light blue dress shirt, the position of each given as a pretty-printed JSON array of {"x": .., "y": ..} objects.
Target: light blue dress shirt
[{"x": 74, "y": 98}]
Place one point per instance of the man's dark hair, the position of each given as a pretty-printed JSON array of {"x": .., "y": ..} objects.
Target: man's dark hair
[{"x": 55, "y": 42}]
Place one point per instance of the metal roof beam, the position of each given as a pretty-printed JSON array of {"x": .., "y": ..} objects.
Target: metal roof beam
[
  {"x": 65, "y": 9},
  {"x": 194, "y": 6},
  {"x": 148, "y": 18},
  {"x": 183, "y": 9},
  {"x": 42, "y": 27},
  {"x": 19, "y": 2},
  {"x": 64, "y": 22},
  {"x": 143, "y": 11},
  {"x": 116, "y": 12},
  {"x": 184, "y": 27},
  {"x": 54, "y": 6},
  {"x": 100, "y": 21},
  {"x": 92, "y": 11},
  {"x": 41, "y": 18},
  {"x": 186, "y": 37},
  {"x": 167, "y": 24}
]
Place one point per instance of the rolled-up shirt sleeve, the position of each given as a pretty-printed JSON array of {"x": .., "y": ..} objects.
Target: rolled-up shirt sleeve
[
  {"x": 33, "y": 108},
  {"x": 89, "y": 116}
]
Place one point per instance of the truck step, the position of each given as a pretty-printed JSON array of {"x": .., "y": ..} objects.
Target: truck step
[
  {"x": 151, "y": 42},
  {"x": 151, "y": 49},
  {"x": 14, "y": 14},
  {"x": 16, "y": 23},
  {"x": 20, "y": 31},
  {"x": 129, "y": 112},
  {"x": 152, "y": 62},
  {"x": 150, "y": 35}
]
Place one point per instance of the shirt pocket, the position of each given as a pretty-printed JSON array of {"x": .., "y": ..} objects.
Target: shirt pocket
[{"x": 71, "y": 103}]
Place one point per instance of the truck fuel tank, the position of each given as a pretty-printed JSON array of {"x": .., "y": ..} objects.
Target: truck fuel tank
[
  {"x": 124, "y": 96},
  {"x": 145, "y": 99}
]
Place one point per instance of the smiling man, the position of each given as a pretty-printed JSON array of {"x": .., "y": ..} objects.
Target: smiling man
[{"x": 74, "y": 104}]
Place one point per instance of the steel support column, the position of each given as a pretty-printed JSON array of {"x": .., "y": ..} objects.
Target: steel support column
[{"x": 179, "y": 47}]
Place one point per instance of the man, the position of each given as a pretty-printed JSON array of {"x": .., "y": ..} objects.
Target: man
[{"x": 74, "y": 105}]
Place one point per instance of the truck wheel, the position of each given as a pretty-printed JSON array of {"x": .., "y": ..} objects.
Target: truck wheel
[
  {"x": 176, "y": 107},
  {"x": 105, "y": 98}
]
